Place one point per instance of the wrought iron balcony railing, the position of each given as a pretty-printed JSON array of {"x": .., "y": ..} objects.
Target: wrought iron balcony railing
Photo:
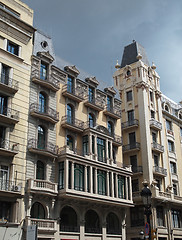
[
  {"x": 67, "y": 89},
  {"x": 49, "y": 112},
  {"x": 160, "y": 170},
  {"x": 6, "y": 80},
  {"x": 10, "y": 113},
  {"x": 42, "y": 146},
  {"x": 130, "y": 123},
  {"x": 66, "y": 149},
  {"x": 132, "y": 146},
  {"x": 114, "y": 110},
  {"x": 72, "y": 121},
  {"x": 137, "y": 169},
  {"x": 9, "y": 145},
  {"x": 157, "y": 147},
  {"x": 95, "y": 102},
  {"x": 155, "y": 124}
]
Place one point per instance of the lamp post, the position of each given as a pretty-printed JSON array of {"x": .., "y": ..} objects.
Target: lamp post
[{"x": 146, "y": 197}]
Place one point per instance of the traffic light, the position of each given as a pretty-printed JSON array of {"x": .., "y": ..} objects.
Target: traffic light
[{"x": 153, "y": 234}]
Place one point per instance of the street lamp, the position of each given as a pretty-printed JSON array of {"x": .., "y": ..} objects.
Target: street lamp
[
  {"x": 146, "y": 197},
  {"x": 141, "y": 234}
]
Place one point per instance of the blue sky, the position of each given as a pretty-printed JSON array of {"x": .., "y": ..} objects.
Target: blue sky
[{"x": 91, "y": 34}]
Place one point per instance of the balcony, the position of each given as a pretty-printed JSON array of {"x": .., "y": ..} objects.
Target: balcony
[
  {"x": 10, "y": 188},
  {"x": 117, "y": 140},
  {"x": 9, "y": 116},
  {"x": 66, "y": 150},
  {"x": 46, "y": 149},
  {"x": 160, "y": 171},
  {"x": 130, "y": 124},
  {"x": 131, "y": 147},
  {"x": 42, "y": 187},
  {"x": 8, "y": 85},
  {"x": 44, "y": 225},
  {"x": 112, "y": 112},
  {"x": 72, "y": 124},
  {"x": 72, "y": 93},
  {"x": 8, "y": 148},
  {"x": 137, "y": 169},
  {"x": 50, "y": 82},
  {"x": 155, "y": 124},
  {"x": 95, "y": 104},
  {"x": 50, "y": 115},
  {"x": 157, "y": 147}
]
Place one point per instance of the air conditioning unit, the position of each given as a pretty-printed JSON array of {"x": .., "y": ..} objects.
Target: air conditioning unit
[{"x": 16, "y": 188}]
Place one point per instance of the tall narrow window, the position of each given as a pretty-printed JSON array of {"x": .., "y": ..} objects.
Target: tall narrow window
[
  {"x": 130, "y": 116},
  {"x": 43, "y": 71},
  {"x": 37, "y": 211},
  {"x": 173, "y": 167},
  {"x": 40, "y": 170},
  {"x": 176, "y": 218},
  {"x": 91, "y": 94},
  {"x": 121, "y": 187},
  {"x": 69, "y": 114},
  {"x": 160, "y": 216},
  {"x": 101, "y": 149},
  {"x": 5, "y": 74},
  {"x": 168, "y": 125},
  {"x": 132, "y": 140},
  {"x": 3, "y": 104},
  {"x": 4, "y": 177},
  {"x": 133, "y": 162},
  {"x": 109, "y": 103},
  {"x": 129, "y": 96},
  {"x": 154, "y": 137},
  {"x": 109, "y": 150},
  {"x": 93, "y": 144},
  {"x": 110, "y": 127},
  {"x": 91, "y": 120},
  {"x": 170, "y": 146},
  {"x": 41, "y": 138},
  {"x": 151, "y": 96},
  {"x": 70, "y": 84},
  {"x": 70, "y": 142},
  {"x": 61, "y": 175},
  {"x": 85, "y": 145},
  {"x": 42, "y": 103},
  {"x": 101, "y": 182},
  {"x": 2, "y": 136},
  {"x": 156, "y": 160},
  {"x": 79, "y": 177}
]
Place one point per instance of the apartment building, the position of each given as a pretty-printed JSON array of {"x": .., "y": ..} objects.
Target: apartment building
[
  {"x": 151, "y": 130},
  {"x": 16, "y": 33},
  {"x": 76, "y": 184}
]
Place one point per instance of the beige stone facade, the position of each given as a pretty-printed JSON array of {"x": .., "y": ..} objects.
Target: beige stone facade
[
  {"x": 16, "y": 34},
  {"x": 151, "y": 129}
]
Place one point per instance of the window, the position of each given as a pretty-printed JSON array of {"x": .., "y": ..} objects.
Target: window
[
  {"x": 175, "y": 189},
  {"x": 91, "y": 120},
  {"x": 4, "y": 177},
  {"x": 151, "y": 96},
  {"x": 156, "y": 160},
  {"x": 158, "y": 180},
  {"x": 43, "y": 71},
  {"x": 180, "y": 131},
  {"x": 128, "y": 73},
  {"x": 137, "y": 216},
  {"x": 152, "y": 113},
  {"x": 91, "y": 94},
  {"x": 168, "y": 125},
  {"x": 109, "y": 103},
  {"x": 166, "y": 108},
  {"x": 3, "y": 105},
  {"x": 129, "y": 96},
  {"x": 42, "y": 103},
  {"x": 92, "y": 222},
  {"x": 170, "y": 146},
  {"x": 79, "y": 177},
  {"x": 110, "y": 127},
  {"x": 154, "y": 137},
  {"x": 132, "y": 139},
  {"x": 61, "y": 175},
  {"x": 70, "y": 142},
  {"x": 12, "y": 48},
  {"x": 101, "y": 149},
  {"x": 130, "y": 116},
  {"x": 114, "y": 153},
  {"x": 70, "y": 84},
  {"x": 109, "y": 150},
  {"x": 160, "y": 216},
  {"x": 5, "y": 74},
  {"x": 133, "y": 162},
  {"x": 121, "y": 187},
  {"x": 85, "y": 145},
  {"x": 176, "y": 218},
  {"x": 135, "y": 185},
  {"x": 101, "y": 182},
  {"x": 113, "y": 226},
  {"x": 93, "y": 144},
  {"x": 173, "y": 167},
  {"x": 68, "y": 221},
  {"x": 180, "y": 116},
  {"x": 41, "y": 138},
  {"x": 37, "y": 211},
  {"x": 69, "y": 114},
  {"x": 40, "y": 170},
  {"x": 5, "y": 211},
  {"x": 2, "y": 136}
]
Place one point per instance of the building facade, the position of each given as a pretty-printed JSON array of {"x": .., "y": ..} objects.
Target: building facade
[
  {"x": 16, "y": 33},
  {"x": 76, "y": 184},
  {"x": 151, "y": 129}
]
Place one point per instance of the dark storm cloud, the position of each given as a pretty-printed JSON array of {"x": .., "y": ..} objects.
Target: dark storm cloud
[{"x": 92, "y": 34}]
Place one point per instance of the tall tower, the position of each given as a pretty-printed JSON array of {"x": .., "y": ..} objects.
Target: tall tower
[{"x": 143, "y": 138}]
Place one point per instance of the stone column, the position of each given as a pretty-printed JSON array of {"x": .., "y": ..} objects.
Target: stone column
[
  {"x": 96, "y": 158},
  {"x": 85, "y": 179},
  {"x": 112, "y": 184},
  {"x": 95, "y": 181},
  {"x": 91, "y": 179},
  {"x": 107, "y": 176},
  {"x": 66, "y": 174},
  {"x": 116, "y": 186},
  {"x": 72, "y": 175}
]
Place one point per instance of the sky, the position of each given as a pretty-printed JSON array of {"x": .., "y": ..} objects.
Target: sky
[{"x": 92, "y": 34}]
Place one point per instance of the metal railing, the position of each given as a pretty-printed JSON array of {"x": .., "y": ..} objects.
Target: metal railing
[
  {"x": 6, "y": 80},
  {"x": 74, "y": 91},
  {"x": 161, "y": 170},
  {"x": 131, "y": 146},
  {"x": 35, "y": 107},
  {"x": 50, "y": 79},
  {"x": 93, "y": 230},
  {"x": 158, "y": 147},
  {"x": 114, "y": 110},
  {"x": 9, "y": 112},
  {"x": 6, "y": 185},
  {"x": 72, "y": 121},
  {"x": 66, "y": 149},
  {"x": 137, "y": 169},
  {"x": 114, "y": 231},
  {"x": 46, "y": 146},
  {"x": 95, "y": 101},
  {"x": 9, "y": 145},
  {"x": 155, "y": 123},
  {"x": 66, "y": 228},
  {"x": 130, "y": 123}
]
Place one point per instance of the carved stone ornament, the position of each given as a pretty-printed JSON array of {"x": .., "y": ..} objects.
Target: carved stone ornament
[
  {"x": 110, "y": 90},
  {"x": 72, "y": 70},
  {"x": 92, "y": 80},
  {"x": 142, "y": 85},
  {"x": 158, "y": 94},
  {"x": 102, "y": 129},
  {"x": 46, "y": 55}
]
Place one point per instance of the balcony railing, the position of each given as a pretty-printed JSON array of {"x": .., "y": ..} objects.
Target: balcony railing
[
  {"x": 42, "y": 185},
  {"x": 72, "y": 92},
  {"x": 47, "y": 114},
  {"x": 8, "y": 83},
  {"x": 73, "y": 122},
  {"x": 155, "y": 124},
  {"x": 6, "y": 185},
  {"x": 137, "y": 169},
  {"x": 133, "y": 146},
  {"x": 43, "y": 224},
  {"x": 131, "y": 123},
  {"x": 42, "y": 148},
  {"x": 66, "y": 149},
  {"x": 8, "y": 148},
  {"x": 49, "y": 82},
  {"x": 11, "y": 114},
  {"x": 66, "y": 228},
  {"x": 95, "y": 103},
  {"x": 113, "y": 111},
  {"x": 160, "y": 170},
  {"x": 157, "y": 147},
  {"x": 93, "y": 230}
]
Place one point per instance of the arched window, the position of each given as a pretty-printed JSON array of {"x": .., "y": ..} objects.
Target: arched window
[
  {"x": 70, "y": 142},
  {"x": 113, "y": 224},
  {"x": 69, "y": 114},
  {"x": 167, "y": 108},
  {"x": 42, "y": 102},
  {"x": 92, "y": 223},
  {"x": 40, "y": 170},
  {"x": 110, "y": 127},
  {"x": 41, "y": 138},
  {"x": 37, "y": 211},
  {"x": 91, "y": 120},
  {"x": 68, "y": 221}
]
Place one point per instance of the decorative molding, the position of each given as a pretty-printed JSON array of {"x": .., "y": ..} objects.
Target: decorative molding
[{"x": 72, "y": 70}]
